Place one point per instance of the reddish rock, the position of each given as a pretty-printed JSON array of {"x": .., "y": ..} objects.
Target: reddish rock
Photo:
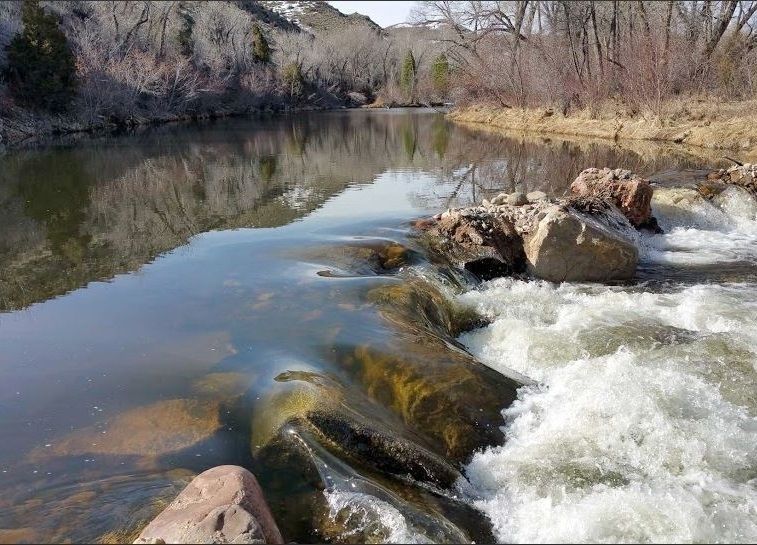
[
  {"x": 221, "y": 505},
  {"x": 740, "y": 175},
  {"x": 629, "y": 192}
]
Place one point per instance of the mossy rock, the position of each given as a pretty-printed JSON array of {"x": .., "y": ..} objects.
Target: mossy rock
[
  {"x": 442, "y": 394},
  {"x": 344, "y": 425},
  {"x": 362, "y": 258},
  {"x": 415, "y": 302}
]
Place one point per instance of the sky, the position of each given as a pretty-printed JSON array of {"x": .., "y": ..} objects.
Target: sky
[{"x": 384, "y": 13}]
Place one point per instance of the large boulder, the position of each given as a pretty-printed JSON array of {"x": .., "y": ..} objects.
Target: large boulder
[
  {"x": 580, "y": 238},
  {"x": 568, "y": 245},
  {"x": 629, "y": 192},
  {"x": 221, "y": 505}
]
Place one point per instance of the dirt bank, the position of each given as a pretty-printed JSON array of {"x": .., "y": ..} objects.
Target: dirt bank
[{"x": 730, "y": 127}]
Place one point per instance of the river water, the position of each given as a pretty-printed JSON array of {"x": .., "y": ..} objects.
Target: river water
[{"x": 250, "y": 292}]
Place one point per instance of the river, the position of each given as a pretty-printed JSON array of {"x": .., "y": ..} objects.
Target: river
[{"x": 250, "y": 291}]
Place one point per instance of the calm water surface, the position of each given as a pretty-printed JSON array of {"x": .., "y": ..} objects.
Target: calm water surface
[{"x": 161, "y": 292}]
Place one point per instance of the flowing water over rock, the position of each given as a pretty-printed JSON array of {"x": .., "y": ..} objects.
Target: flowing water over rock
[
  {"x": 642, "y": 426},
  {"x": 251, "y": 292}
]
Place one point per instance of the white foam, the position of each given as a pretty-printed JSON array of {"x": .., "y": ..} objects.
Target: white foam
[
  {"x": 700, "y": 231},
  {"x": 642, "y": 427}
]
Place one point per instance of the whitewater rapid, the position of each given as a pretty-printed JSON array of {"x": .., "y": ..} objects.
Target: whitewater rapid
[{"x": 641, "y": 427}]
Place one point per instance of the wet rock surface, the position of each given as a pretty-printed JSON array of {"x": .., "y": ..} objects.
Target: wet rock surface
[
  {"x": 571, "y": 246},
  {"x": 486, "y": 245},
  {"x": 370, "y": 257},
  {"x": 222, "y": 505}
]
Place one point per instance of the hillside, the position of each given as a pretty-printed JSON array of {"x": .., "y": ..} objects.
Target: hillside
[
  {"x": 315, "y": 16},
  {"x": 128, "y": 63}
]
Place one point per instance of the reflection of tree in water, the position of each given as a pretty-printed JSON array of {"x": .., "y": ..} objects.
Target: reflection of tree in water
[
  {"x": 73, "y": 215},
  {"x": 267, "y": 167},
  {"x": 440, "y": 137},
  {"x": 409, "y": 140},
  {"x": 479, "y": 165},
  {"x": 60, "y": 207}
]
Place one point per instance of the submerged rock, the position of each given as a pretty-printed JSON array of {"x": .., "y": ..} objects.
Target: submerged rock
[
  {"x": 372, "y": 257},
  {"x": 221, "y": 505},
  {"x": 431, "y": 388},
  {"x": 367, "y": 436},
  {"x": 366, "y": 443},
  {"x": 150, "y": 431},
  {"x": 628, "y": 191}
]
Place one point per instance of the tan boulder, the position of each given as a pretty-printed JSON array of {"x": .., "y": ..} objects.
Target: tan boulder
[
  {"x": 570, "y": 246},
  {"x": 629, "y": 192},
  {"x": 221, "y": 505}
]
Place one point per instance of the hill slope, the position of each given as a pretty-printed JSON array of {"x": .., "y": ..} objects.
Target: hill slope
[{"x": 314, "y": 16}]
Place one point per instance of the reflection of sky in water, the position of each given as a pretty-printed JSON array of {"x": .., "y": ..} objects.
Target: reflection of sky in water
[{"x": 234, "y": 298}]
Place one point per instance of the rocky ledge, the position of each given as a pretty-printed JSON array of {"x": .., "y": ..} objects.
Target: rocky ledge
[{"x": 587, "y": 236}]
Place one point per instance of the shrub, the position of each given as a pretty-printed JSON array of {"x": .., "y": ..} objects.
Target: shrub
[
  {"x": 41, "y": 68},
  {"x": 292, "y": 76},
  {"x": 261, "y": 51}
]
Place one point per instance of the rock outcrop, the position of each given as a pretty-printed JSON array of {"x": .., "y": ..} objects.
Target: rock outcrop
[
  {"x": 629, "y": 192},
  {"x": 580, "y": 238},
  {"x": 221, "y": 505}
]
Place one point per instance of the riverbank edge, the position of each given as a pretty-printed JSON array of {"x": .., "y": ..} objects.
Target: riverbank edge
[
  {"x": 27, "y": 131},
  {"x": 728, "y": 133}
]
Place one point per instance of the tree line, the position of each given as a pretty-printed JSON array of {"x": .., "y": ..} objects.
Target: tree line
[
  {"x": 581, "y": 53},
  {"x": 130, "y": 61}
]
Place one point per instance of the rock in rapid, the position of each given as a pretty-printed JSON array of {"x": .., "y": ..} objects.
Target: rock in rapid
[
  {"x": 580, "y": 238},
  {"x": 626, "y": 190},
  {"x": 221, "y": 505},
  {"x": 568, "y": 245},
  {"x": 741, "y": 175}
]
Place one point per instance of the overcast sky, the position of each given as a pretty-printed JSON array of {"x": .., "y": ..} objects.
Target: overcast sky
[{"x": 384, "y": 13}]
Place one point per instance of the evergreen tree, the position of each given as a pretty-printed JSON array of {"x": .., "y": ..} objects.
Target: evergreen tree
[
  {"x": 293, "y": 79},
  {"x": 260, "y": 48},
  {"x": 407, "y": 75},
  {"x": 184, "y": 36},
  {"x": 440, "y": 74},
  {"x": 41, "y": 68}
]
